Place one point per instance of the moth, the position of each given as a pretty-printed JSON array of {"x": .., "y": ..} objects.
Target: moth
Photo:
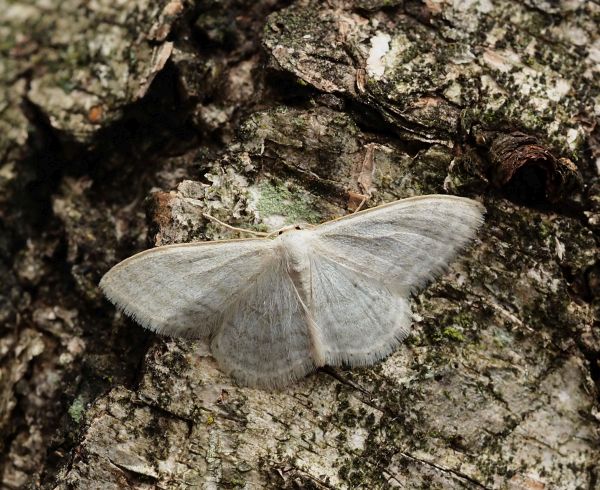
[{"x": 274, "y": 309}]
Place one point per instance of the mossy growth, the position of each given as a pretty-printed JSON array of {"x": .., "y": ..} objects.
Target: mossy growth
[
  {"x": 283, "y": 200},
  {"x": 455, "y": 326},
  {"x": 453, "y": 334},
  {"x": 77, "y": 409},
  {"x": 234, "y": 483}
]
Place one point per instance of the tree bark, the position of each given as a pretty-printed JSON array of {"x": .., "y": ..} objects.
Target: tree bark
[{"x": 121, "y": 123}]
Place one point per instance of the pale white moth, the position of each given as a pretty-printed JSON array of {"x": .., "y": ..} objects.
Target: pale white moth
[{"x": 274, "y": 309}]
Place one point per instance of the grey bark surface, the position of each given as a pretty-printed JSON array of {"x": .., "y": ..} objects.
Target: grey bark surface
[{"x": 121, "y": 123}]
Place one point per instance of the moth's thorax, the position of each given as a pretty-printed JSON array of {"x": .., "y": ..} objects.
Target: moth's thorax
[{"x": 295, "y": 247}]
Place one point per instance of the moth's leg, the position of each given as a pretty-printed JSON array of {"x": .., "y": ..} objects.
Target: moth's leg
[
  {"x": 338, "y": 374},
  {"x": 353, "y": 197},
  {"x": 362, "y": 203},
  {"x": 364, "y": 180}
]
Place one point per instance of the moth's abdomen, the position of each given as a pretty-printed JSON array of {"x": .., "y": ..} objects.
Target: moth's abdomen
[{"x": 297, "y": 253}]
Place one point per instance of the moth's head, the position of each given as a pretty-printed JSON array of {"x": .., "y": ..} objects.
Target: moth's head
[{"x": 285, "y": 229}]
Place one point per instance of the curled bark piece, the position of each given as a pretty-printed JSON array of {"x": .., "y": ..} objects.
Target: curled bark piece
[{"x": 519, "y": 161}]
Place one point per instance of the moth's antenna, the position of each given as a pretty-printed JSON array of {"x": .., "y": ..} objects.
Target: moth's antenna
[
  {"x": 195, "y": 202},
  {"x": 234, "y": 228}
]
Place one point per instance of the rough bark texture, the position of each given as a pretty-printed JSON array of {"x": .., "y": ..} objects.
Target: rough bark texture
[{"x": 121, "y": 122}]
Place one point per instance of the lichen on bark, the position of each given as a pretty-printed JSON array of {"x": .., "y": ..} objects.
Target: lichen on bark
[{"x": 123, "y": 126}]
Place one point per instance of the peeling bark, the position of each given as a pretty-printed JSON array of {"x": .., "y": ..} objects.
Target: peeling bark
[{"x": 122, "y": 123}]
